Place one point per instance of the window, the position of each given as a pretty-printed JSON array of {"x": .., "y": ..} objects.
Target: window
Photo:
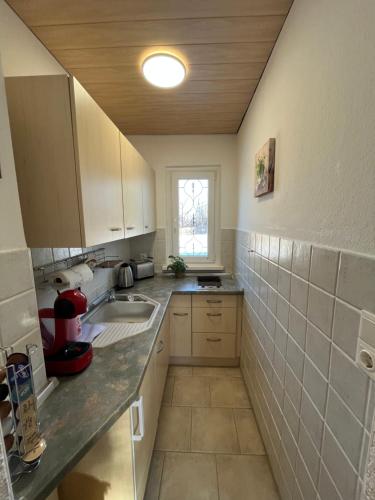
[{"x": 193, "y": 215}]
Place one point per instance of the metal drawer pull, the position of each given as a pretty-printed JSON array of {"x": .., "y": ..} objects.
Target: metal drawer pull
[
  {"x": 130, "y": 227},
  {"x": 180, "y": 314},
  {"x": 116, "y": 229},
  {"x": 214, "y": 314},
  {"x": 213, "y": 340},
  {"x": 161, "y": 347},
  {"x": 214, "y": 301}
]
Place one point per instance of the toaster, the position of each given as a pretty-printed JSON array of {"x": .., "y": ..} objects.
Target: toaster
[{"x": 142, "y": 269}]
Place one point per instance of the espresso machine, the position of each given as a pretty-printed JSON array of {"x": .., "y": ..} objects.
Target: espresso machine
[{"x": 60, "y": 326}]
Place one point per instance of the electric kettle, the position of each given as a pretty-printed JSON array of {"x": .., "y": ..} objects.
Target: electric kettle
[{"x": 125, "y": 276}]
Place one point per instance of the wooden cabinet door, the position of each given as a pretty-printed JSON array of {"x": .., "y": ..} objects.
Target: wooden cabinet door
[
  {"x": 106, "y": 471},
  {"x": 148, "y": 198},
  {"x": 143, "y": 448},
  {"x": 132, "y": 175},
  {"x": 162, "y": 349},
  {"x": 180, "y": 331},
  {"x": 99, "y": 170}
]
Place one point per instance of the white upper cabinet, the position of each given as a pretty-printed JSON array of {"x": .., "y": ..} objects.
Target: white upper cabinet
[
  {"x": 132, "y": 172},
  {"x": 138, "y": 180},
  {"x": 67, "y": 155},
  {"x": 98, "y": 151},
  {"x": 148, "y": 197}
]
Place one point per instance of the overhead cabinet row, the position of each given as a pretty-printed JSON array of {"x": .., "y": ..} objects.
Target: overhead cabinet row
[{"x": 81, "y": 182}]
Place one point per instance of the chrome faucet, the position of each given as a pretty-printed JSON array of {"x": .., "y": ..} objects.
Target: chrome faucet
[
  {"x": 111, "y": 296},
  {"x": 130, "y": 298}
]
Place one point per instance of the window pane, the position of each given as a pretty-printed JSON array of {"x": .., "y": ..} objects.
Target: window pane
[{"x": 193, "y": 217}]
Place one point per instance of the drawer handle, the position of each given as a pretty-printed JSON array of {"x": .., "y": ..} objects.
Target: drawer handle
[
  {"x": 180, "y": 314},
  {"x": 214, "y": 314},
  {"x": 161, "y": 347},
  {"x": 214, "y": 301},
  {"x": 116, "y": 229},
  {"x": 138, "y": 405},
  {"x": 213, "y": 340},
  {"x": 130, "y": 227}
]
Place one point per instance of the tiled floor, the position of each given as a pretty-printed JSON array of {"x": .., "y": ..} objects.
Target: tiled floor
[{"x": 208, "y": 446}]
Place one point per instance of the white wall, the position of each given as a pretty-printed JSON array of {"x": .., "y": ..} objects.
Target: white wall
[
  {"x": 22, "y": 53},
  {"x": 187, "y": 150},
  {"x": 317, "y": 97}
]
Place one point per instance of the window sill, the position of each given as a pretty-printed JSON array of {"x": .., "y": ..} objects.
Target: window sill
[{"x": 213, "y": 267}]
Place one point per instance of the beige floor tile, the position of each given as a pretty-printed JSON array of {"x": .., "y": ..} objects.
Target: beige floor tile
[
  {"x": 248, "y": 434},
  {"x": 209, "y": 371},
  {"x": 244, "y": 477},
  {"x": 174, "y": 429},
  {"x": 233, "y": 372},
  {"x": 154, "y": 476},
  {"x": 191, "y": 391},
  {"x": 189, "y": 476},
  {"x": 168, "y": 391},
  {"x": 229, "y": 393},
  {"x": 214, "y": 430},
  {"x": 180, "y": 371}
]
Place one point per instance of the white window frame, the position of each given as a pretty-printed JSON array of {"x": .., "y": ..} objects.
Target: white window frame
[{"x": 212, "y": 173}]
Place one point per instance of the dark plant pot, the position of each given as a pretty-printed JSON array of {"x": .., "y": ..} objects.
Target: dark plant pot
[{"x": 179, "y": 275}]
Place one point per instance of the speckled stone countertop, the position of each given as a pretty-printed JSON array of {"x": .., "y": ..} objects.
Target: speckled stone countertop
[{"x": 84, "y": 407}]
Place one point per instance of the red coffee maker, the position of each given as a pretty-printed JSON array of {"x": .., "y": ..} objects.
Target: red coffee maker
[{"x": 63, "y": 353}]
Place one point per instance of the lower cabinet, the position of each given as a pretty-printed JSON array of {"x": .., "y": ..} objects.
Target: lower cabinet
[{"x": 116, "y": 468}]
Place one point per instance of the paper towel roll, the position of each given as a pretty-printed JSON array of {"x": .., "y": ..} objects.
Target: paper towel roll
[{"x": 72, "y": 277}]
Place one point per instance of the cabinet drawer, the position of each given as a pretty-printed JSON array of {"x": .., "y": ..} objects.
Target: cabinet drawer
[
  {"x": 180, "y": 301},
  {"x": 180, "y": 330},
  {"x": 214, "y": 300},
  {"x": 214, "y": 345},
  {"x": 218, "y": 320}
]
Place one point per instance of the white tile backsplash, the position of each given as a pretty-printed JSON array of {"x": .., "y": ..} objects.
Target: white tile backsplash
[
  {"x": 310, "y": 390},
  {"x": 16, "y": 273},
  {"x": 18, "y": 317}
]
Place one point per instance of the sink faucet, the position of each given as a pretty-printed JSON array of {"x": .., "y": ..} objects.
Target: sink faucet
[
  {"x": 111, "y": 296},
  {"x": 130, "y": 298}
]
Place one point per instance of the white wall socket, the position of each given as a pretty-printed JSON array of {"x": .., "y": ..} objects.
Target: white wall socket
[{"x": 365, "y": 355}]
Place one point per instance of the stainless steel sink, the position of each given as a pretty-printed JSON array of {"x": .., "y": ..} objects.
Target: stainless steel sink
[{"x": 123, "y": 312}]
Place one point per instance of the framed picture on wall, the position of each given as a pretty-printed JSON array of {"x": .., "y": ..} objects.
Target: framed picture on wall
[{"x": 265, "y": 168}]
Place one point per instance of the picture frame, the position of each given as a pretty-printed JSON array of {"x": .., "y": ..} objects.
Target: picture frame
[{"x": 265, "y": 168}]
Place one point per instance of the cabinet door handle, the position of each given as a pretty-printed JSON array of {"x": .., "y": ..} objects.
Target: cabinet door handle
[
  {"x": 130, "y": 227},
  {"x": 180, "y": 314},
  {"x": 138, "y": 405},
  {"x": 214, "y": 314},
  {"x": 213, "y": 340},
  {"x": 116, "y": 229},
  {"x": 161, "y": 347},
  {"x": 214, "y": 301}
]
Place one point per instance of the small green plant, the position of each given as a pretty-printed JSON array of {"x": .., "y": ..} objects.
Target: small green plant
[{"x": 178, "y": 266}]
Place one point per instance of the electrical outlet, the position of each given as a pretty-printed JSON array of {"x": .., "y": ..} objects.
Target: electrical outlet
[{"x": 365, "y": 355}]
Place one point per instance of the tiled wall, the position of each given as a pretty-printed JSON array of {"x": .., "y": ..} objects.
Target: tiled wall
[
  {"x": 19, "y": 323},
  {"x": 300, "y": 328},
  {"x": 155, "y": 245},
  {"x": 104, "y": 279}
]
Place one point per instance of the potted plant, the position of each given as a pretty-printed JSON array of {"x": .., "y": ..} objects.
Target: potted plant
[{"x": 178, "y": 266}]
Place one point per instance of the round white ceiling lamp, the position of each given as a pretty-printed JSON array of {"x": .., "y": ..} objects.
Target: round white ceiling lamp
[{"x": 163, "y": 70}]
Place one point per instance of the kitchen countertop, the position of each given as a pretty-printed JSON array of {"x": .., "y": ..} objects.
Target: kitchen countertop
[{"x": 83, "y": 407}]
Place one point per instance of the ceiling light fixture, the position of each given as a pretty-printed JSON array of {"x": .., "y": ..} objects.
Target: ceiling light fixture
[{"x": 163, "y": 70}]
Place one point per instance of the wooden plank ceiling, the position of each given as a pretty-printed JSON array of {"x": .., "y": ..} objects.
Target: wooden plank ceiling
[{"x": 225, "y": 45}]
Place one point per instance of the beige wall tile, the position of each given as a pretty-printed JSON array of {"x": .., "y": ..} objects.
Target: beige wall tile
[
  {"x": 213, "y": 430},
  {"x": 16, "y": 273},
  {"x": 18, "y": 317}
]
